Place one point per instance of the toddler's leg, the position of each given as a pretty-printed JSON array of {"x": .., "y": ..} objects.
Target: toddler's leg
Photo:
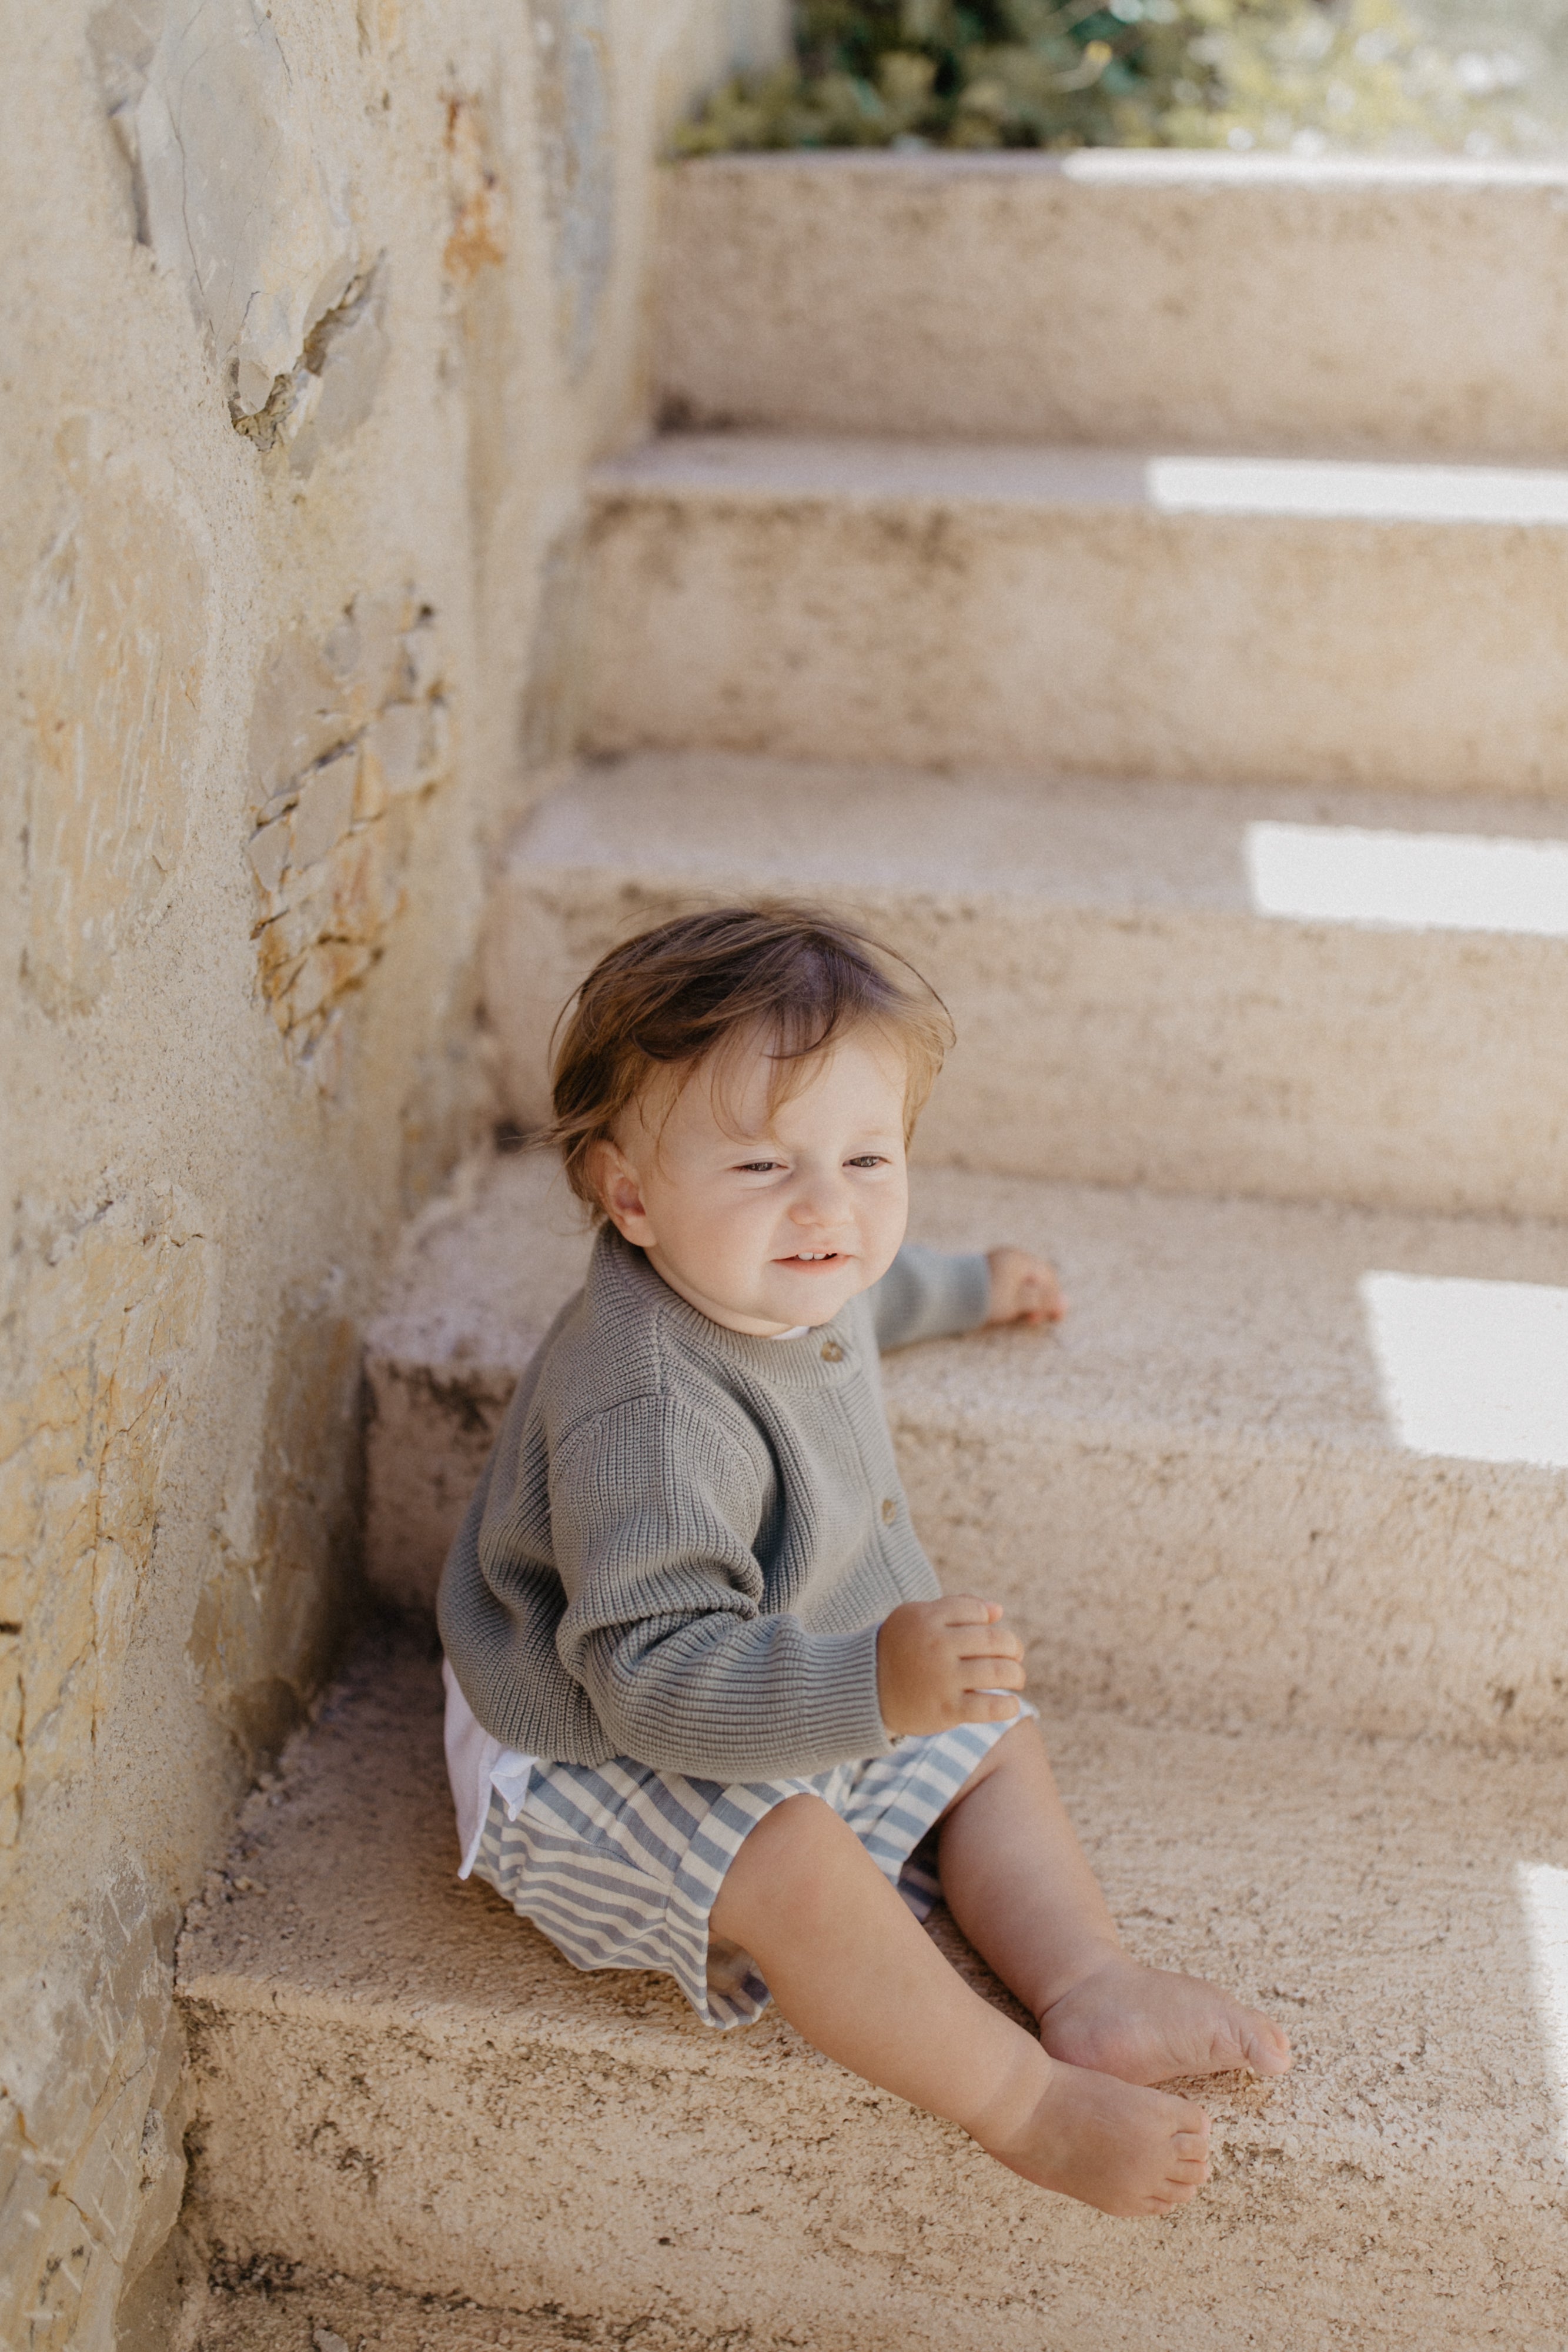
[
  {"x": 1017, "y": 1882},
  {"x": 851, "y": 1970}
]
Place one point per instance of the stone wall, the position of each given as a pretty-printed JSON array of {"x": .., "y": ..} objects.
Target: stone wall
[{"x": 312, "y": 316}]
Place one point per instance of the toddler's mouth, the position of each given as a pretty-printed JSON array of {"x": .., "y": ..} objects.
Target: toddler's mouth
[{"x": 812, "y": 1257}]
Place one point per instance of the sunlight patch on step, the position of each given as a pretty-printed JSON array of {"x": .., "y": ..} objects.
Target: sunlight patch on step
[
  {"x": 1543, "y": 1892},
  {"x": 1476, "y": 1369},
  {"x": 1434, "y": 881},
  {"x": 1339, "y": 491}
]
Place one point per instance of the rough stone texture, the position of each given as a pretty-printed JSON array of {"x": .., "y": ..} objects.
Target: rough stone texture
[
  {"x": 1193, "y": 301},
  {"x": 109, "y": 1340},
  {"x": 298, "y": 440},
  {"x": 289, "y": 2309},
  {"x": 114, "y": 645},
  {"x": 1078, "y": 930},
  {"x": 239, "y": 191},
  {"x": 1195, "y": 1498},
  {"x": 394, "y": 2077},
  {"x": 364, "y": 716},
  {"x": 1082, "y": 613}
]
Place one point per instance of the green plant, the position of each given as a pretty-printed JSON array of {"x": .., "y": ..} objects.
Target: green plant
[{"x": 1302, "y": 74}]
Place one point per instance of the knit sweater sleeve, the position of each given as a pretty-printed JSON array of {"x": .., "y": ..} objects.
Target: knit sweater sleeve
[
  {"x": 653, "y": 1506},
  {"x": 929, "y": 1293}
]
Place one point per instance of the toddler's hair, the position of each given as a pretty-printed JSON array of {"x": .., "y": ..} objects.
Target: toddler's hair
[{"x": 698, "y": 986}]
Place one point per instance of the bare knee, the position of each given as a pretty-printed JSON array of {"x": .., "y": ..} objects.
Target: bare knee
[
  {"x": 1020, "y": 1750},
  {"x": 796, "y": 1856}
]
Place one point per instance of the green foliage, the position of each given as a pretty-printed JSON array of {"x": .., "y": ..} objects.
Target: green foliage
[{"x": 1298, "y": 74}]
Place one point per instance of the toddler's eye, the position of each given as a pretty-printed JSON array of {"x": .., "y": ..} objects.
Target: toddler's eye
[
  {"x": 756, "y": 1167},
  {"x": 870, "y": 1160}
]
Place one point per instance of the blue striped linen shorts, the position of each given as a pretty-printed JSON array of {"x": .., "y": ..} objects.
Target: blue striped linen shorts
[{"x": 619, "y": 1866}]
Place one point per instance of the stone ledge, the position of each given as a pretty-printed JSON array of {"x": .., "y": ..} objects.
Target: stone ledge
[
  {"x": 1365, "y": 304},
  {"x": 1070, "y": 611},
  {"x": 1301, "y": 995},
  {"x": 582, "y": 2142}
]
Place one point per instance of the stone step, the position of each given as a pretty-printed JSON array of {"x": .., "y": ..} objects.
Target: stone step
[
  {"x": 1215, "y": 619},
  {"x": 1281, "y": 1465},
  {"x": 1297, "y": 996},
  {"x": 1359, "y": 304},
  {"x": 393, "y": 2077}
]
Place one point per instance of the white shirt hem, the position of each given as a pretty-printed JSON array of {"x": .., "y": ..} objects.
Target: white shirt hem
[{"x": 476, "y": 1764}]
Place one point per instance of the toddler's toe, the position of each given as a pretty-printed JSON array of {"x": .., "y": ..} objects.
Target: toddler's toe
[{"x": 1266, "y": 2047}]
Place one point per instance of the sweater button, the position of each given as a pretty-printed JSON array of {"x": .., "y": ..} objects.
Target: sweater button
[
  {"x": 889, "y": 1511},
  {"x": 832, "y": 1352}
]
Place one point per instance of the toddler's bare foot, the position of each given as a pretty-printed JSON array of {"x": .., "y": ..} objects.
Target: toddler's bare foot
[
  {"x": 1128, "y": 2152},
  {"x": 1149, "y": 2025}
]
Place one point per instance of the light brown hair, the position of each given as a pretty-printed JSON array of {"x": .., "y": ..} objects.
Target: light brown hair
[{"x": 673, "y": 998}]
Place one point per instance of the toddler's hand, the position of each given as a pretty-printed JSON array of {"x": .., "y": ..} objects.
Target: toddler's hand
[
  {"x": 939, "y": 1663},
  {"x": 1024, "y": 1290}
]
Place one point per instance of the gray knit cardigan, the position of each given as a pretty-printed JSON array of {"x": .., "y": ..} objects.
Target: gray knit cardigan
[{"x": 686, "y": 1538}]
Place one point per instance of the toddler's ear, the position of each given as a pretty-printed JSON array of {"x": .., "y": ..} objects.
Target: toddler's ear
[{"x": 619, "y": 1189}]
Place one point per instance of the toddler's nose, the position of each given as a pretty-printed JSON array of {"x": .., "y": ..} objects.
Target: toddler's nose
[{"x": 815, "y": 1211}]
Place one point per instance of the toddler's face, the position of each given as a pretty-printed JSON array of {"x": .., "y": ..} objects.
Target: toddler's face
[{"x": 766, "y": 1220}]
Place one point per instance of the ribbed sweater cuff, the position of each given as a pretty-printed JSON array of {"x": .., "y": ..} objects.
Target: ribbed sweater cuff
[
  {"x": 843, "y": 1712},
  {"x": 971, "y": 1297}
]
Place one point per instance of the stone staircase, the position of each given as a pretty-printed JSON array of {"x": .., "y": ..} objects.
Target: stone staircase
[{"x": 1226, "y": 799}]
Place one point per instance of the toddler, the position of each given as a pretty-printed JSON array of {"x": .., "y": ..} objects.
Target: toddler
[{"x": 708, "y": 1709}]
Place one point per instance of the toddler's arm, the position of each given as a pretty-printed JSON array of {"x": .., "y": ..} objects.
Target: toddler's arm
[
  {"x": 653, "y": 1508},
  {"x": 929, "y": 1293}
]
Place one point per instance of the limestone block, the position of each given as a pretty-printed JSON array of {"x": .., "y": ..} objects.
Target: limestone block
[
  {"x": 349, "y": 728},
  {"x": 317, "y": 689},
  {"x": 114, "y": 653},
  {"x": 406, "y": 744},
  {"x": 236, "y": 191},
  {"x": 268, "y": 855},
  {"x": 97, "y": 2084},
  {"x": 329, "y": 932},
  {"x": 324, "y": 810},
  {"x": 334, "y": 388},
  {"x": 112, "y": 1323}
]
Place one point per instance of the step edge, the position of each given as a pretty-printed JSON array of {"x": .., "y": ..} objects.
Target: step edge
[
  {"x": 997, "y": 902},
  {"x": 1096, "y": 168},
  {"x": 667, "y": 471},
  {"x": 214, "y": 1998},
  {"x": 916, "y": 1407}
]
